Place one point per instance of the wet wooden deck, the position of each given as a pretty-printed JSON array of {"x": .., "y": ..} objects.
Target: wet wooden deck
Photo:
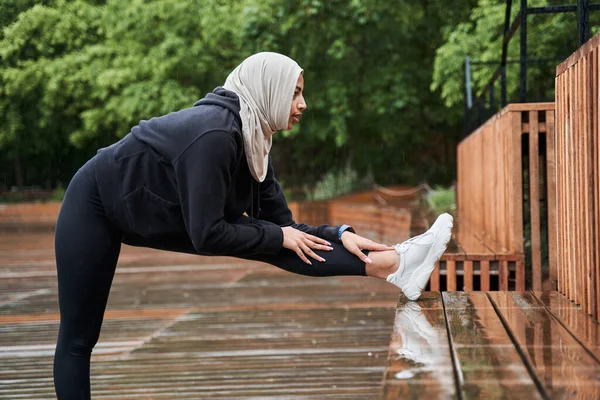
[
  {"x": 185, "y": 327},
  {"x": 494, "y": 345}
]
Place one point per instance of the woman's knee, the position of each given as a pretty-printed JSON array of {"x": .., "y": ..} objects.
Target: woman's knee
[
  {"x": 75, "y": 345},
  {"x": 80, "y": 348}
]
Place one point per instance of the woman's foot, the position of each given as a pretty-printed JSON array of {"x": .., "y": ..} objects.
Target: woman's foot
[{"x": 418, "y": 256}]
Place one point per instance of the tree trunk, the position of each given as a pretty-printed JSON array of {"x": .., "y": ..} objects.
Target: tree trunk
[{"x": 19, "y": 172}]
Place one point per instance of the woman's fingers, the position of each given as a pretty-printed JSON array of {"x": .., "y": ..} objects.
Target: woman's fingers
[
  {"x": 302, "y": 256},
  {"x": 315, "y": 246},
  {"x": 318, "y": 246},
  {"x": 311, "y": 253},
  {"x": 317, "y": 239},
  {"x": 376, "y": 246},
  {"x": 358, "y": 253}
]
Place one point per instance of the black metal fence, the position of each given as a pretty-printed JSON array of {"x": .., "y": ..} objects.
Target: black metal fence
[{"x": 478, "y": 110}]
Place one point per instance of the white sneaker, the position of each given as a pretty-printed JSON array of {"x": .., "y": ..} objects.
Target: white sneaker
[{"x": 418, "y": 256}]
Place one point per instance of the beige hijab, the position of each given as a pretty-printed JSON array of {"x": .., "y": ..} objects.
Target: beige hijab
[{"x": 265, "y": 84}]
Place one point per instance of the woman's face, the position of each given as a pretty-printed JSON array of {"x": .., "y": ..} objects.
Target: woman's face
[{"x": 298, "y": 104}]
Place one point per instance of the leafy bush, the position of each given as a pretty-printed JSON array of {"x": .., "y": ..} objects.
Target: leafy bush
[
  {"x": 58, "y": 194},
  {"x": 441, "y": 200},
  {"x": 334, "y": 184},
  {"x": 12, "y": 197}
]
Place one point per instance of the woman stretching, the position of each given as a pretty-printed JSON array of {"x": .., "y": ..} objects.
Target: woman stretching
[{"x": 200, "y": 181}]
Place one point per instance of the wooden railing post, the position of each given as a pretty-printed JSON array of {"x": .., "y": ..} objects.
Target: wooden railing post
[{"x": 577, "y": 146}]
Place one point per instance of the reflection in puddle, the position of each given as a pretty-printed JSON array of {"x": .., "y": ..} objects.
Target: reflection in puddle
[{"x": 420, "y": 346}]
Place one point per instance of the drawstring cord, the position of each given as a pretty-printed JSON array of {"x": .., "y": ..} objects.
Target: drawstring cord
[{"x": 252, "y": 210}]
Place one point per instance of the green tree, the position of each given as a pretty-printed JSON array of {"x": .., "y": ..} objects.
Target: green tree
[
  {"x": 552, "y": 36},
  {"x": 77, "y": 75},
  {"x": 80, "y": 73},
  {"x": 368, "y": 67}
]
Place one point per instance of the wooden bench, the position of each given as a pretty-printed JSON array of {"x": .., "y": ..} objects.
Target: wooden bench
[{"x": 516, "y": 345}]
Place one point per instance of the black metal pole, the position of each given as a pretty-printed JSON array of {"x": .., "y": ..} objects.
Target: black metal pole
[
  {"x": 523, "y": 88},
  {"x": 583, "y": 21},
  {"x": 492, "y": 99},
  {"x": 504, "y": 54},
  {"x": 469, "y": 96},
  {"x": 503, "y": 86}
]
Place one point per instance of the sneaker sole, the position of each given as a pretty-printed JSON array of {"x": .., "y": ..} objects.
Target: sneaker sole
[{"x": 421, "y": 275}]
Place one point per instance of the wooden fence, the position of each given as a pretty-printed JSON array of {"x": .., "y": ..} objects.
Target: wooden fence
[
  {"x": 380, "y": 223},
  {"x": 578, "y": 176},
  {"x": 506, "y": 184},
  {"x": 29, "y": 215},
  {"x": 479, "y": 268}
]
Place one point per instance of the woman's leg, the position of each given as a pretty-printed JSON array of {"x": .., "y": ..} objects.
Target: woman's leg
[
  {"x": 338, "y": 261},
  {"x": 87, "y": 248},
  {"x": 408, "y": 267}
]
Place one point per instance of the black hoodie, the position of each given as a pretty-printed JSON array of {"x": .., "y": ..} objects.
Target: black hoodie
[{"x": 185, "y": 175}]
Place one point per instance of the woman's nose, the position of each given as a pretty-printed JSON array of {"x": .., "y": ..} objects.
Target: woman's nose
[{"x": 302, "y": 104}]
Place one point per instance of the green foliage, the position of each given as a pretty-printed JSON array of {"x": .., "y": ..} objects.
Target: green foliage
[
  {"x": 549, "y": 36},
  {"x": 12, "y": 197},
  {"x": 442, "y": 200},
  {"x": 77, "y": 75},
  {"x": 334, "y": 184},
  {"x": 367, "y": 66},
  {"x": 58, "y": 194}
]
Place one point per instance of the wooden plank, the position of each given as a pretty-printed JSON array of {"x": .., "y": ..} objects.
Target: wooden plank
[
  {"x": 551, "y": 196},
  {"x": 484, "y": 268},
  {"x": 488, "y": 362},
  {"x": 566, "y": 128},
  {"x": 434, "y": 280},
  {"x": 579, "y": 188},
  {"x": 589, "y": 46},
  {"x": 454, "y": 251},
  {"x": 468, "y": 275},
  {"x": 581, "y": 325},
  {"x": 563, "y": 367},
  {"x": 596, "y": 119},
  {"x": 503, "y": 274},
  {"x": 569, "y": 176},
  {"x": 474, "y": 247},
  {"x": 530, "y": 106},
  {"x": 419, "y": 361},
  {"x": 577, "y": 193},
  {"x": 450, "y": 275},
  {"x": 520, "y": 276},
  {"x": 542, "y": 127},
  {"x": 588, "y": 211},
  {"x": 534, "y": 200},
  {"x": 560, "y": 113},
  {"x": 516, "y": 196}
]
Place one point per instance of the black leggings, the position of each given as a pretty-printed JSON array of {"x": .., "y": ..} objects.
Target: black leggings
[{"x": 87, "y": 248}]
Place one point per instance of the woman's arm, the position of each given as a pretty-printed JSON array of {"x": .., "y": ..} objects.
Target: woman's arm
[
  {"x": 203, "y": 172},
  {"x": 274, "y": 208}
]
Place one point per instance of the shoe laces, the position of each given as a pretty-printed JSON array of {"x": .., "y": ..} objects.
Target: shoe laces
[{"x": 404, "y": 246}]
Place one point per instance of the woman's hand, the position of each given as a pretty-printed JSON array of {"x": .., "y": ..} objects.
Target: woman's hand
[
  {"x": 355, "y": 244},
  {"x": 303, "y": 243}
]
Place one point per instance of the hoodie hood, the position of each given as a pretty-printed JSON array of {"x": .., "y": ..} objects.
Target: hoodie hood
[{"x": 224, "y": 98}]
